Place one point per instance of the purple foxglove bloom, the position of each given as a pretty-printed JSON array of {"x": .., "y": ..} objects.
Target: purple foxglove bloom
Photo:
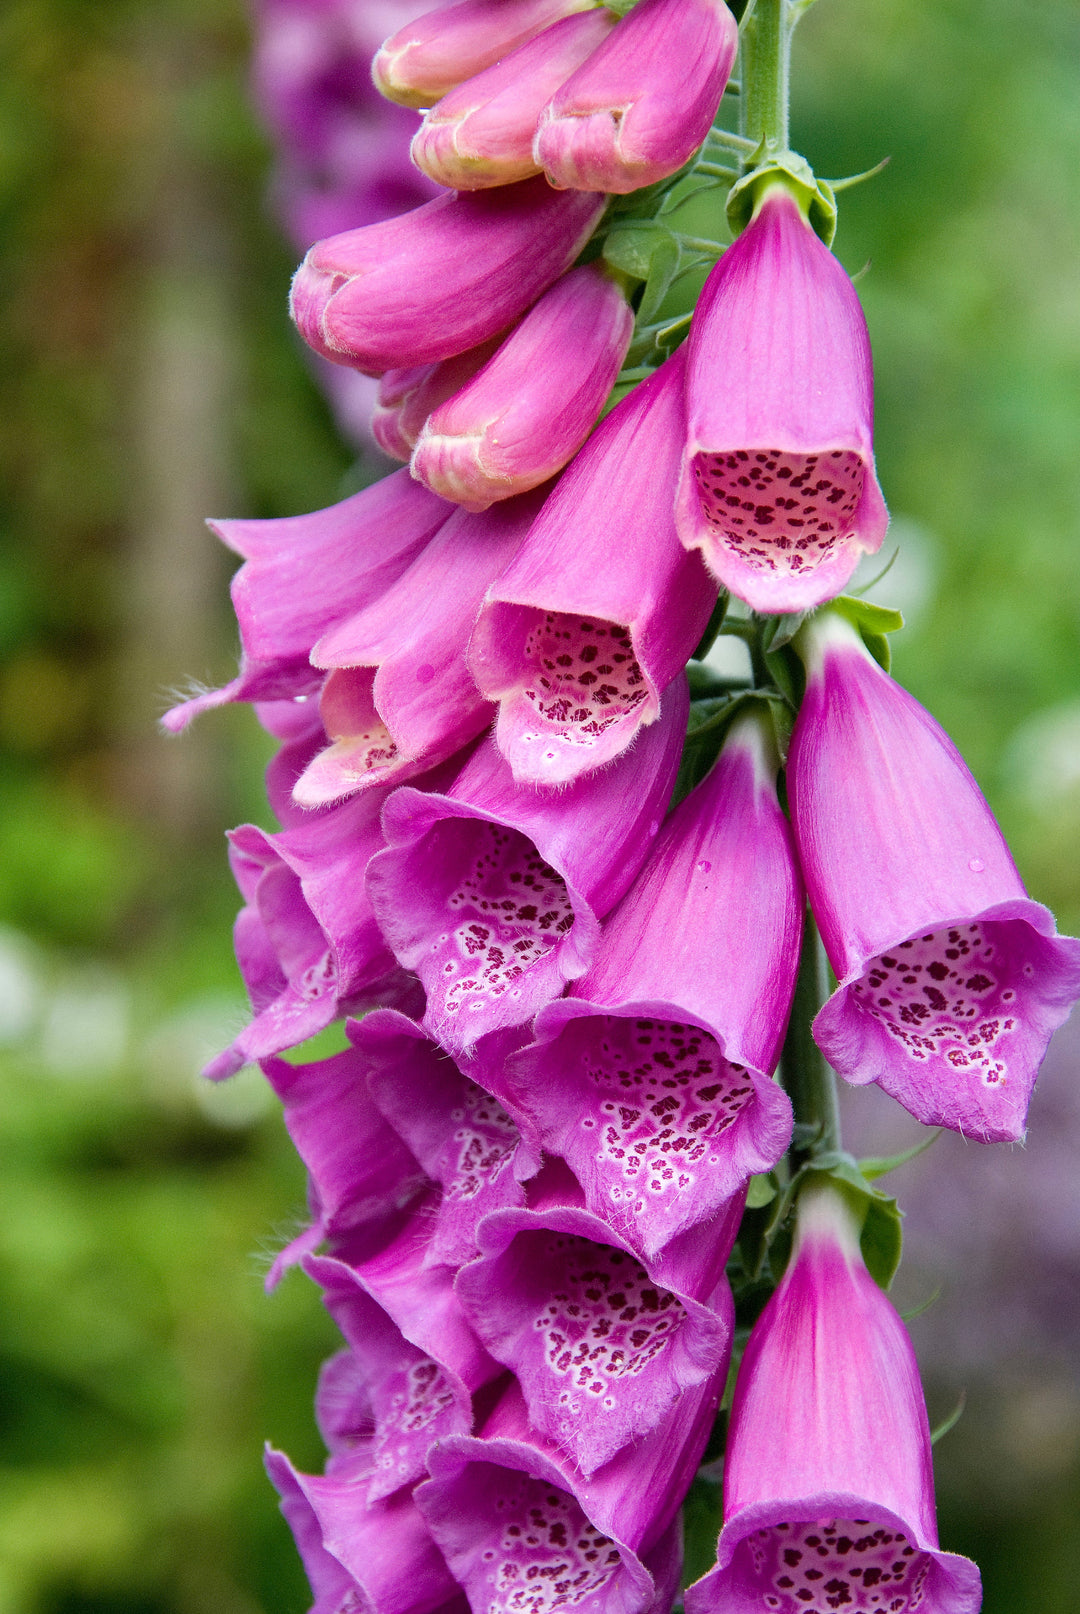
[
  {"x": 412, "y": 1398},
  {"x": 307, "y": 941},
  {"x": 482, "y": 132},
  {"x": 461, "y": 1135},
  {"x": 304, "y": 574},
  {"x": 494, "y": 892},
  {"x": 500, "y": 434},
  {"x": 441, "y": 279},
  {"x": 778, "y": 485},
  {"x": 644, "y": 101},
  {"x": 828, "y": 1484},
  {"x": 526, "y": 1533},
  {"x": 602, "y": 606},
  {"x": 602, "y": 1347},
  {"x": 428, "y": 57},
  {"x": 378, "y": 1557},
  {"x": 405, "y": 398},
  {"x": 652, "y": 1080},
  {"x": 360, "y": 1171},
  {"x": 400, "y": 697},
  {"x": 951, "y": 979}
]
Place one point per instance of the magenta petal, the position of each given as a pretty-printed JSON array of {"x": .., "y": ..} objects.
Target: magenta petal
[
  {"x": 406, "y": 397},
  {"x": 602, "y": 606},
  {"x": 951, "y": 979},
  {"x": 644, "y": 101},
  {"x": 493, "y": 892},
  {"x": 828, "y": 1458},
  {"x": 429, "y": 55},
  {"x": 411, "y": 1399},
  {"x": 331, "y": 1583},
  {"x": 441, "y": 279},
  {"x": 303, "y": 574},
  {"x": 778, "y": 486},
  {"x": 481, "y": 132},
  {"x": 614, "y": 1534},
  {"x": 601, "y": 1349},
  {"x": 360, "y": 1168},
  {"x": 500, "y": 435},
  {"x": 462, "y": 1136},
  {"x": 653, "y": 1080},
  {"x": 415, "y": 1292},
  {"x": 401, "y": 697},
  {"x": 391, "y": 1563}
]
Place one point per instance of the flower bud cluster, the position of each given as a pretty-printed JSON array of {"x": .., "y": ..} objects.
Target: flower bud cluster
[{"x": 566, "y": 1000}]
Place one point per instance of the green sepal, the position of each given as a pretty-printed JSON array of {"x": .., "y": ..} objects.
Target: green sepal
[
  {"x": 873, "y": 622},
  {"x": 785, "y": 668},
  {"x": 875, "y": 1166},
  {"x": 767, "y": 167},
  {"x": 648, "y": 252},
  {"x": 713, "y": 626},
  {"x": 761, "y": 1190},
  {"x": 881, "y": 1239},
  {"x": 950, "y": 1422}
]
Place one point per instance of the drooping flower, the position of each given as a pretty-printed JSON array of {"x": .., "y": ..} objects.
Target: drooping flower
[
  {"x": 429, "y": 56},
  {"x": 951, "y": 978},
  {"x": 303, "y": 574},
  {"x": 778, "y": 487},
  {"x": 828, "y": 1483},
  {"x": 653, "y": 1079},
  {"x": 644, "y": 100},
  {"x": 527, "y": 1533},
  {"x": 493, "y": 892},
  {"x": 359, "y": 1170},
  {"x": 528, "y": 411},
  {"x": 461, "y": 1135},
  {"x": 600, "y": 609},
  {"x": 602, "y": 1344},
  {"x": 482, "y": 132},
  {"x": 441, "y": 279},
  {"x": 399, "y": 697},
  {"x": 375, "y": 1556}
]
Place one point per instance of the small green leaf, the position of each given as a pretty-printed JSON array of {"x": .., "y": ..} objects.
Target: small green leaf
[
  {"x": 713, "y": 626},
  {"x": 876, "y": 1166},
  {"x": 951, "y": 1421},
  {"x": 770, "y": 164},
  {"x": 924, "y": 1305}
]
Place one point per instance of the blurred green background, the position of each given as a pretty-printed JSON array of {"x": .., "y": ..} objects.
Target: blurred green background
[{"x": 149, "y": 377}]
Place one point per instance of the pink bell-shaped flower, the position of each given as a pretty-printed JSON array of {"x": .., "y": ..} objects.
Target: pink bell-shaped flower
[
  {"x": 778, "y": 487},
  {"x": 643, "y": 102},
  {"x": 828, "y": 1484},
  {"x": 602, "y": 606},
  {"x": 528, "y": 411},
  {"x": 951, "y": 978},
  {"x": 441, "y": 279},
  {"x": 482, "y": 133},
  {"x": 427, "y": 57},
  {"x": 653, "y": 1079}
]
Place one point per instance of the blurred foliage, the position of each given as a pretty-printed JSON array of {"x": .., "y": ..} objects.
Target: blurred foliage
[{"x": 147, "y": 376}]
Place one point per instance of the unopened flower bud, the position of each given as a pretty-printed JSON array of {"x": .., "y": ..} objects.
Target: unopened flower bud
[
  {"x": 439, "y": 280},
  {"x": 642, "y": 104},
  {"x": 482, "y": 133},
  {"x": 422, "y": 61},
  {"x": 533, "y": 404}
]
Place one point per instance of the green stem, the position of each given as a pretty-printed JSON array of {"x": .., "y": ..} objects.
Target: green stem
[
  {"x": 809, "y": 1080},
  {"x": 766, "y": 54}
]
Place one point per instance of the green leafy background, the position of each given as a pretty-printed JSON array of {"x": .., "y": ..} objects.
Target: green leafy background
[{"x": 149, "y": 377}]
